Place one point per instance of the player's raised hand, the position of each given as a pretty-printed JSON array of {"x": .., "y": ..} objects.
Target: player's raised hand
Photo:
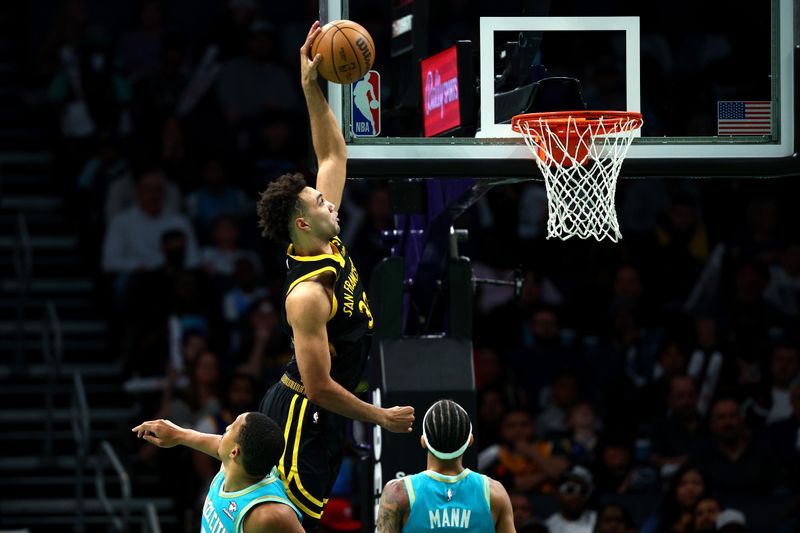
[
  {"x": 308, "y": 65},
  {"x": 162, "y": 433},
  {"x": 398, "y": 419}
]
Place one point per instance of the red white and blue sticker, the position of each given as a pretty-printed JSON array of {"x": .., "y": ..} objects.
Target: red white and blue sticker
[{"x": 365, "y": 105}]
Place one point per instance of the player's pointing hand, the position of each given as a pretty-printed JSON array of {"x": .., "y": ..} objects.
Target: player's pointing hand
[{"x": 162, "y": 433}]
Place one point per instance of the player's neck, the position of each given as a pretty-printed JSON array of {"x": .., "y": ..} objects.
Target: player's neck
[
  {"x": 237, "y": 479},
  {"x": 451, "y": 467},
  {"x": 311, "y": 246}
]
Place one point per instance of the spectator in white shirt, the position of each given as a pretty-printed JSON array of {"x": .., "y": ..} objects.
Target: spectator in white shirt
[
  {"x": 133, "y": 239},
  {"x": 574, "y": 491}
]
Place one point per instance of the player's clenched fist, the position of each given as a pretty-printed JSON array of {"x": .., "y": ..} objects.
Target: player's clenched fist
[{"x": 398, "y": 419}]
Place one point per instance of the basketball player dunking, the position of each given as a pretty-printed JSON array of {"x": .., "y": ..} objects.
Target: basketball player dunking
[
  {"x": 446, "y": 496},
  {"x": 325, "y": 311}
]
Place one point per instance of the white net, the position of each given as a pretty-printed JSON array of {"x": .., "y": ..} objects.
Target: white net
[{"x": 580, "y": 160}]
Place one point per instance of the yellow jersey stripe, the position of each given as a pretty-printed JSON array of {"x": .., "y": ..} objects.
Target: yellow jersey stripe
[
  {"x": 310, "y": 275},
  {"x": 410, "y": 489},
  {"x": 301, "y": 506},
  {"x": 295, "y": 473},
  {"x": 287, "y": 429},
  {"x": 336, "y": 255}
]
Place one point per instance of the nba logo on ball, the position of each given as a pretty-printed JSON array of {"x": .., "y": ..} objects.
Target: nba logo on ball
[{"x": 366, "y": 105}]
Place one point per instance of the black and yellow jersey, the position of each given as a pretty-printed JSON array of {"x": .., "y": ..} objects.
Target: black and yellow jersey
[{"x": 350, "y": 322}]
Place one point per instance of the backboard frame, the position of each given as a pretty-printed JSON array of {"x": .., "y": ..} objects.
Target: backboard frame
[{"x": 502, "y": 156}]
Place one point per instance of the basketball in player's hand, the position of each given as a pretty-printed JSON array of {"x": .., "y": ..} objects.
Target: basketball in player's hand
[{"x": 347, "y": 51}]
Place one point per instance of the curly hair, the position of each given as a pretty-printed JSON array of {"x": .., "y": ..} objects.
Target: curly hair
[{"x": 277, "y": 204}]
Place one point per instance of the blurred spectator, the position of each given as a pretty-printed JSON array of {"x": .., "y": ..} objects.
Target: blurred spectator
[
  {"x": 574, "y": 490},
  {"x": 752, "y": 319},
  {"x": 733, "y": 461},
  {"x": 215, "y": 199},
  {"x": 157, "y": 95},
  {"x": 580, "y": 440},
  {"x": 163, "y": 303},
  {"x": 91, "y": 96},
  {"x": 681, "y": 249},
  {"x": 783, "y": 289},
  {"x": 679, "y": 434},
  {"x": 543, "y": 353},
  {"x": 504, "y": 324},
  {"x": 68, "y": 31},
  {"x": 371, "y": 246},
  {"x": 686, "y": 488},
  {"x": 711, "y": 368},
  {"x": 556, "y": 403},
  {"x": 613, "y": 518},
  {"x": 220, "y": 257},
  {"x": 521, "y": 505},
  {"x": 201, "y": 398},
  {"x": 671, "y": 362},
  {"x": 174, "y": 154},
  {"x": 620, "y": 469},
  {"x": 263, "y": 349},
  {"x": 771, "y": 402},
  {"x": 123, "y": 193},
  {"x": 492, "y": 408},
  {"x": 134, "y": 235},
  {"x": 731, "y": 521},
  {"x": 629, "y": 295},
  {"x": 255, "y": 82},
  {"x": 520, "y": 461},
  {"x": 705, "y": 516},
  {"x": 234, "y": 26},
  {"x": 140, "y": 49},
  {"x": 241, "y": 396},
  {"x": 784, "y": 436},
  {"x": 238, "y": 300}
]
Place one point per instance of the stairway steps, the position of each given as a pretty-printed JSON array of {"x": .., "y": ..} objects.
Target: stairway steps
[{"x": 27, "y": 202}]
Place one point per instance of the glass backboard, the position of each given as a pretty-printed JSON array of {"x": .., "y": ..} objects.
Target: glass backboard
[{"x": 714, "y": 81}]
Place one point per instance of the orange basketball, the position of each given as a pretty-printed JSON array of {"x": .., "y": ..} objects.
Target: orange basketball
[{"x": 347, "y": 51}]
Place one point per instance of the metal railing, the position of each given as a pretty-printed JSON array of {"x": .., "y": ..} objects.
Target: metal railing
[
  {"x": 52, "y": 351},
  {"x": 23, "y": 266},
  {"x": 151, "y": 523},
  {"x": 119, "y": 521},
  {"x": 79, "y": 418}
]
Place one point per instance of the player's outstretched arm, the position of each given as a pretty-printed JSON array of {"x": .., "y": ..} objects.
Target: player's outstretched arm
[
  {"x": 166, "y": 434},
  {"x": 272, "y": 518},
  {"x": 392, "y": 508},
  {"x": 501, "y": 508},
  {"x": 307, "y": 310},
  {"x": 325, "y": 132}
]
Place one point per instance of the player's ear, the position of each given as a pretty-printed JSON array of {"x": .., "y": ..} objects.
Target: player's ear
[
  {"x": 301, "y": 224},
  {"x": 471, "y": 440},
  {"x": 422, "y": 442},
  {"x": 235, "y": 452}
]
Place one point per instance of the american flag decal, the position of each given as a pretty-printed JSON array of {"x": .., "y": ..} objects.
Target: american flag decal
[{"x": 744, "y": 118}]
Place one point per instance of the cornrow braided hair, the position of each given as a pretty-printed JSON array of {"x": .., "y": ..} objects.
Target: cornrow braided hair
[
  {"x": 446, "y": 428},
  {"x": 278, "y": 204}
]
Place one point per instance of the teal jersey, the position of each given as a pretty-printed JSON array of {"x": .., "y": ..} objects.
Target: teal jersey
[
  {"x": 448, "y": 503},
  {"x": 224, "y": 512}
]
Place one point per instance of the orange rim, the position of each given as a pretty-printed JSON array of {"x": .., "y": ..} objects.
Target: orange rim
[{"x": 563, "y": 122}]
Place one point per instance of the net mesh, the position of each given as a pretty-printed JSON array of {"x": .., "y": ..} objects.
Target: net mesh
[{"x": 580, "y": 159}]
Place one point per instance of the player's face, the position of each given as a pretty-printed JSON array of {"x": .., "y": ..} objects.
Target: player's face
[
  {"x": 320, "y": 214},
  {"x": 228, "y": 440}
]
